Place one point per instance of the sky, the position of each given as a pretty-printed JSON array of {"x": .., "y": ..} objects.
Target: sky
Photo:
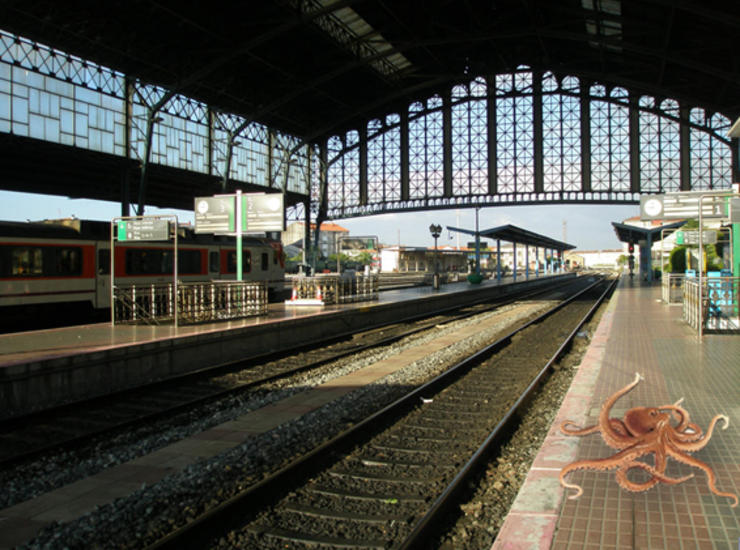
[{"x": 588, "y": 227}]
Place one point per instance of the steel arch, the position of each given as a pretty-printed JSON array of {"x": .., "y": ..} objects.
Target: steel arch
[{"x": 523, "y": 138}]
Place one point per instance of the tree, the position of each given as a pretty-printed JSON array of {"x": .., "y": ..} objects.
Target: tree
[
  {"x": 342, "y": 257},
  {"x": 677, "y": 258},
  {"x": 365, "y": 258}
]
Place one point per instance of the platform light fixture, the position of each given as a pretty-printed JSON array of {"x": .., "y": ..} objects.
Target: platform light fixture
[{"x": 436, "y": 231}]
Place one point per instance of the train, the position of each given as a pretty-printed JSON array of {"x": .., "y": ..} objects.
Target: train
[{"x": 58, "y": 272}]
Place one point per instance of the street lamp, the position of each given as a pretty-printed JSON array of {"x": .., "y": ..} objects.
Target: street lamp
[{"x": 436, "y": 231}]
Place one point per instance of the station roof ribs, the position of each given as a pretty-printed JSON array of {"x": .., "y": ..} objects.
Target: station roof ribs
[{"x": 315, "y": 68}]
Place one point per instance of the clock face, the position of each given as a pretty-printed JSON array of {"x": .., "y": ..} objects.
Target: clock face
[{"x": 653, "y": 207}]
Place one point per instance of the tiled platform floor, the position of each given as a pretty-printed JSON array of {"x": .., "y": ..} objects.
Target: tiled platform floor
[{"x": 638, "y": 334}]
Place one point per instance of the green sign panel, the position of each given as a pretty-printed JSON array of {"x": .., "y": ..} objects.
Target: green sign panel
[
  {"x": 692, "y": 237},
  {"x": 144, "y": 230}
]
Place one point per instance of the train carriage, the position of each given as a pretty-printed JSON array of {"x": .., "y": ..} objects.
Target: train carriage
[{"x": 58, "y": 272}]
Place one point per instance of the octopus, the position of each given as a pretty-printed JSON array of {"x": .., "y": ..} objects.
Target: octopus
[{"x": 645, "y": 431}]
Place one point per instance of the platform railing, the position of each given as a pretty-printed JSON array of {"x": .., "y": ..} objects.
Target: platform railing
[
  {"x": 196, "y": 302},
  {"x": 333, "y": 289},
  {"x": 714, "y": 307},
  {"x": 672, "y": 288}
]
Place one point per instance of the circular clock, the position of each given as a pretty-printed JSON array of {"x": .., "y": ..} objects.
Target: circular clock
[{"x": 653, "y": 207}]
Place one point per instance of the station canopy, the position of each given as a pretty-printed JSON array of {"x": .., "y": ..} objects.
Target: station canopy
[
  {"x": 517, "y": 235},
  {"x": 634, "y": 234}
]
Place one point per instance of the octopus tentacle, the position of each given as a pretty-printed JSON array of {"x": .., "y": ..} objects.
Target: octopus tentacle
[
  {"x": 682, "y": 417},
  {"x": 657, "y": 473},
  {"x": 602, "y": 464},
  {"x": 616, "y": 424},
  {"x": 692, "y": 445},
  {"x": 611, "y": 437},
  {"x": 695, "y": 462},
  {"x": 689, "y": 437}
]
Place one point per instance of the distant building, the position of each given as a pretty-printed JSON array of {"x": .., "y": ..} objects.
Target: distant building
[
  {"x": 452, "y": 259},
  {"x": 596, "y": 258},
  {"x": 329, "y": 236},
  {"x": 411, "y": 258}
]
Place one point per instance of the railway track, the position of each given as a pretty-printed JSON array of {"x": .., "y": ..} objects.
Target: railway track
[
  {"x": 30, "y": 436},
  {"x": 387, "y": 481}
]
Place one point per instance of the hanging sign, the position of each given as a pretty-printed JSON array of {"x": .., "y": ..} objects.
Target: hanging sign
[
  {"x": 150, "y": 229},
  {"x": 215, "y": 214}
]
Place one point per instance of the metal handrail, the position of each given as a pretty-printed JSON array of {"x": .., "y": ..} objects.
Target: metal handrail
[
  {"x": 190, "y": 302},
  {"x": 712, "y": 303}
]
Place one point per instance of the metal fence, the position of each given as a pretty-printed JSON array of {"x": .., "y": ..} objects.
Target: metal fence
[
  {"x": 672, "y": 288},
  {"x": 196, "y": 302},
  {"x": 336, "y": 289},
  {"x": 715, "y": 308}
]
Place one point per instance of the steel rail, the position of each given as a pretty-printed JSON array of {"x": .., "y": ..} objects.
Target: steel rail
[
  {"x": 230, "y": 513},
  {"x": 451, "y": 495}
]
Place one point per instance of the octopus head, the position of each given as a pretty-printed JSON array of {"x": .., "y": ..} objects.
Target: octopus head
[{"x": 643, "y": 420}]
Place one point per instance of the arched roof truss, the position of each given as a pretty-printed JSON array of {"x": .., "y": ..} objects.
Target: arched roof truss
[{"x": 527, "y": 137}]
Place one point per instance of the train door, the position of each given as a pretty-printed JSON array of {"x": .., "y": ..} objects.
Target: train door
[{"x": 102, "y": 292}]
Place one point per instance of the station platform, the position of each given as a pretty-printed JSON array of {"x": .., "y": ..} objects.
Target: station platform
[
  {"x": 51, "y": 366},
  {"x": 638, "y": 334}
]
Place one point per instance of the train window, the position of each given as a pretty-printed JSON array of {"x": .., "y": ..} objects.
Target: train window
[
  {"x": 141, "y": 261},
  {"x": 151, "y": 261},
  {"x": 167, "y": 261},
  {"x": 246, "y": 262},
  {"x": 27, "y": 261},
  {"x": 213, "y": 262},
  {"x": 103, "y": 262},
  {"x": 265, "y": 261},
  {"x": 68, "y": 261},
  {"x": 189, "y": 261}
]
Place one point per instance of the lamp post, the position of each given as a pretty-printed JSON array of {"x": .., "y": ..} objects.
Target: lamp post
[{"x": 436, "y": 231}]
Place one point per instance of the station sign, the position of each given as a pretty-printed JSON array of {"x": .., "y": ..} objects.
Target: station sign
[
  {"x": 263, "y": 212},
  {"x": 215, "y": 214},
  {"x": 687, "y": 236},
  {"x": 150, "y": 229},
  {"x": 260, "y": 213},
  {"x": 735, "y": 210},
  {"x": 684, "y": 205}
]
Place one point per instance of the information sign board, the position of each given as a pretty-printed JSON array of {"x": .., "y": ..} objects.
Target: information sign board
[
  {"x": 684, "y": 205},
  {"x": 688, "y": 236},
  {"x": 735, "y": 210},
  {"x": 215, "y": 214},
  {"x": 263, "y": 212},
  {"x": 150, "y": 229}
]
